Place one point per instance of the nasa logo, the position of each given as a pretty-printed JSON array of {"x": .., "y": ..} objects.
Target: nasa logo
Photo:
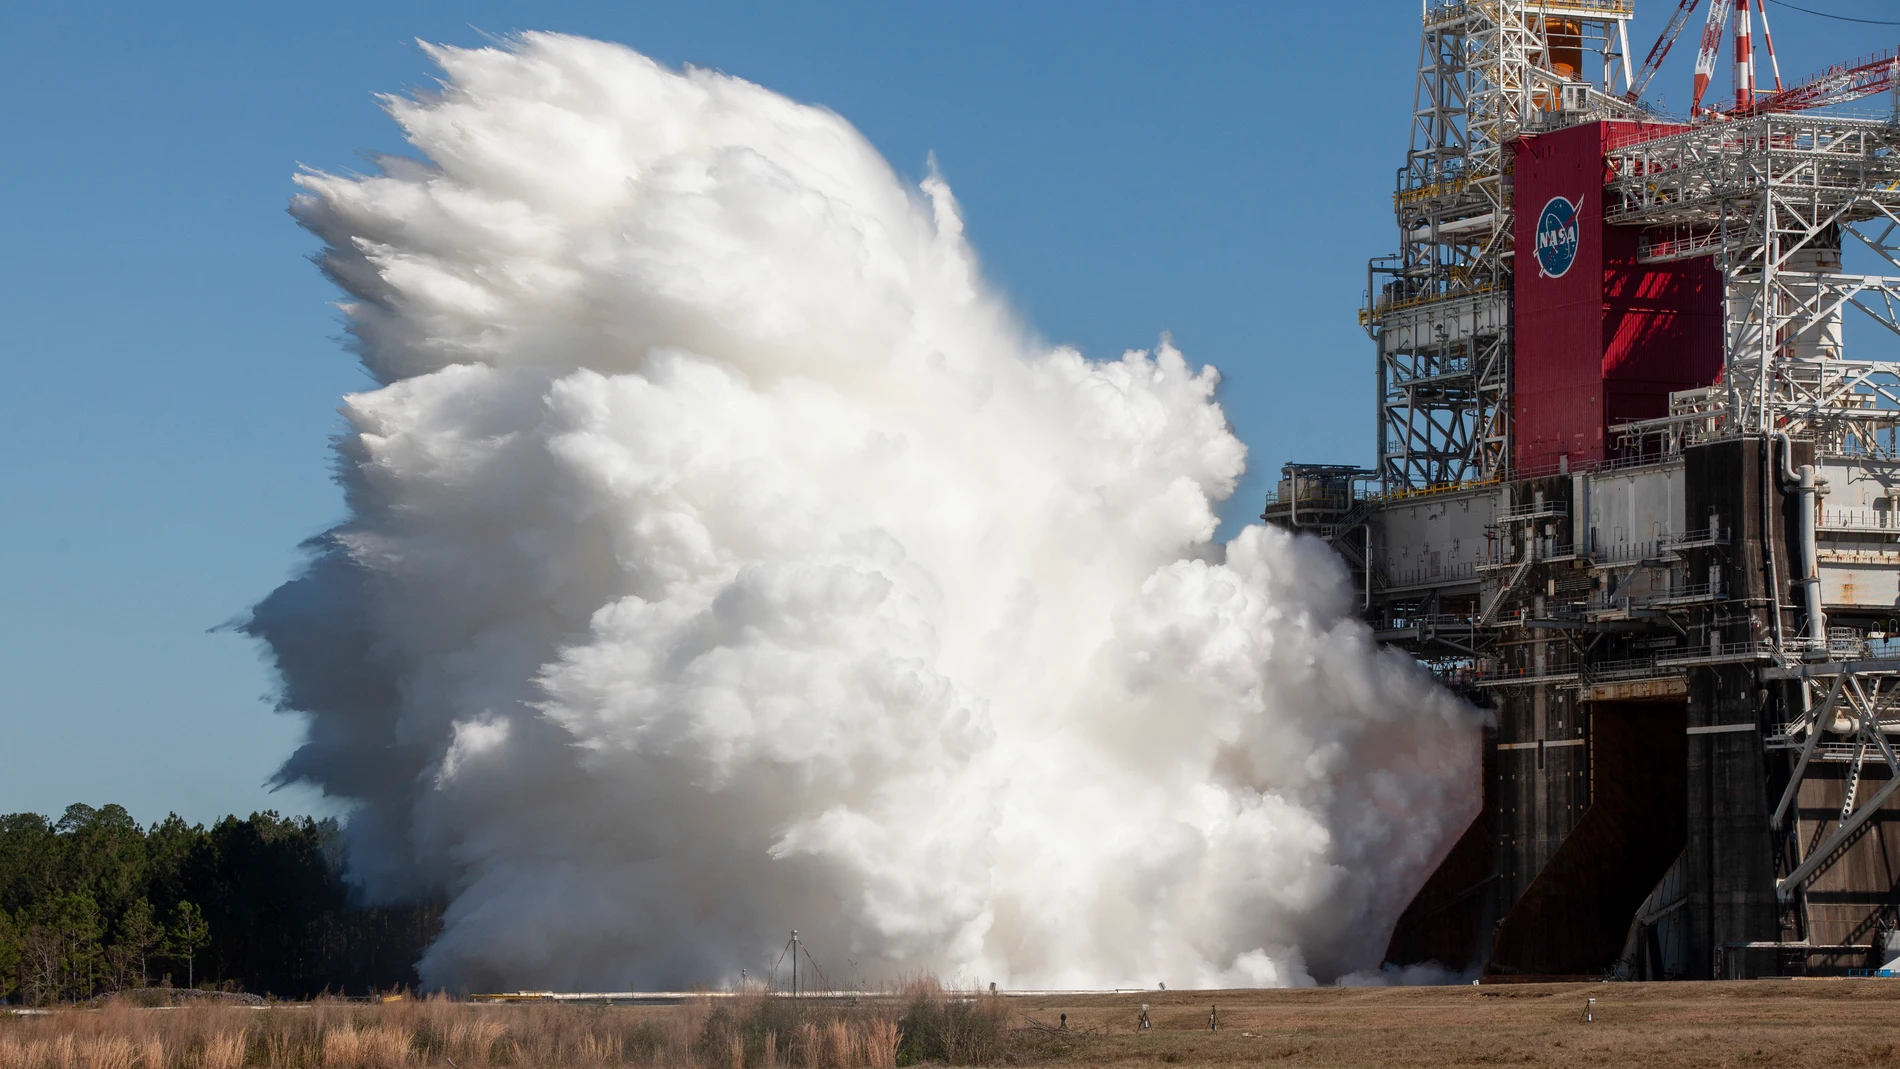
[{"x": 1557, "y": 234}]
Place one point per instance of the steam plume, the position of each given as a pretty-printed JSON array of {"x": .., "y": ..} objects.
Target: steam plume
[{"x": 722, "y": 558}]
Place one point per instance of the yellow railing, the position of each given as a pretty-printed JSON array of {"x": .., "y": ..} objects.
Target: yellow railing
[
  {"x": 1342, "y": 503},
  {"x": 1437, "y": 489},
  {"x": 1367, "y": 316},
  {"x": 1417, "y": 194}
]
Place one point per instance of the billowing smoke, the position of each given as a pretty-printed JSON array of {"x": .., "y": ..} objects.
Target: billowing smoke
[{"x": 722, "y": 559}]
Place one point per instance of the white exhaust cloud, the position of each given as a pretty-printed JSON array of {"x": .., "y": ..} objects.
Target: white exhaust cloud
[{"x": 723, "y": 558}]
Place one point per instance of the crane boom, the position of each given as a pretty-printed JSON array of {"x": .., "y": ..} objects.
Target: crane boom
[
  {"x": 1836, "y": 85},
  {"x": 1660, "y": 50},
  {"x": 1768, "y": 37},
  {"x": 1712, "y": 31}
]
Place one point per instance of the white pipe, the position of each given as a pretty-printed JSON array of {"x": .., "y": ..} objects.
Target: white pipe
[
  {"x": 1842, "y": 724},
  {"x": 1809, "y": 485},
  {"x": 1623, "y": 39},
  {"x": 1457, "y": 226}
]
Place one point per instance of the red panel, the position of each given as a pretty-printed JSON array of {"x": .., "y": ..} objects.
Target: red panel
[
  {"x": 1557, "y": 369},
  {"x": 1662, "y": 329},
  {"x": 1606, "y": 340}
]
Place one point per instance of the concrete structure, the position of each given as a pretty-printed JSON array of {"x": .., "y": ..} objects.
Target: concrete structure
[{"x": 1635, "y": 494}]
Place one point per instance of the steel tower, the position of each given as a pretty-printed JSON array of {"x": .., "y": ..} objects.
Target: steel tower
[{"x": 1439, "y": 311}]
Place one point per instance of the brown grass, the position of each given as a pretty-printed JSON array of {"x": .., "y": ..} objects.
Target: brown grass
[
  {"x": 753, "y": 1030},
  {"x": 1787, "y": 1024},
  {"x": 1784, "y": 1023}
]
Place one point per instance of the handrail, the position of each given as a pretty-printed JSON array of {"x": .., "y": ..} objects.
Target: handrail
[
  {"x": 1859, "y": 520},
  {"x": 1538, "y": 554},
  {"x": 1422, "y": 574},
  {"x": 1624, "y": 670},
  {"x": 1274, "y": 497},
  {"x": 1383, "y": 306},
  {"x": 1707, "y": 536},
  {"x": 1531, "y": 510},
  {"x": 1419, "y": 194},
  {"x": 1448, "y": 10}
]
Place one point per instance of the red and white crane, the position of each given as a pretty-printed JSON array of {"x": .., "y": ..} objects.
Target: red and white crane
[
  {"x": 1836, "y": 85},
  {"x": 1660, "y": 49},
  {"x": 1712, "y": 32}
]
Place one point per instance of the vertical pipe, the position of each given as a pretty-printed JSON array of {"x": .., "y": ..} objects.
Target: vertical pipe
[
  {"x": 1623, "y": 41},
  {"x": 1766, "y": 351},
  {"x": 1810, "y": 567},
  {"x": 1368, "y": 531},
  {"x": 1808, "y": 484},
  {"x": 1768, "y": 537},
  {"x": 1744, "y": 57}
]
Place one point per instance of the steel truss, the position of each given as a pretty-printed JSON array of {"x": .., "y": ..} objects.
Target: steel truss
[
  {"x": 1849, "y": 708},
  {"x": 1772, "y": 199},
  {"x": 1440, "y": 310}
]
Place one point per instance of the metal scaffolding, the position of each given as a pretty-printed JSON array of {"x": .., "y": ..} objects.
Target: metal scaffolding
[
  {"x": 1439, "y": 311},
  {"x": 1773, "y": 199},
  {"x": 1849, "y": 711},
  {"x": 1698, "y": 623}
]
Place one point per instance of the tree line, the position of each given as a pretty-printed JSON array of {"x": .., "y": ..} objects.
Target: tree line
[{"x": 93, "y": 903}]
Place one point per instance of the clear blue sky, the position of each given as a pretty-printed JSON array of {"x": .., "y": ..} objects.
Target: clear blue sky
[{"x": 1216, "y": 170}]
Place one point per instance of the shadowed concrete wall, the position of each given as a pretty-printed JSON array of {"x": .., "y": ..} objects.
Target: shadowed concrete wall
[{"x": 1574, "y": 916}]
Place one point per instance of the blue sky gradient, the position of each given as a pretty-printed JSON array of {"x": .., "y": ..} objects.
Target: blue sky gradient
[{"x": 1220, "y": 171}]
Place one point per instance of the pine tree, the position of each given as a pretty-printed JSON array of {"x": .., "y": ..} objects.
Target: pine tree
[
  {"x": 41, "y": 961},
  {"x": 9, "y": 955},
  {"x": 79, "y": 928},
  {"x": 187, "y": 935},
  {"x": 61, "y": 948},
  {"x": 140, "y": 935}
]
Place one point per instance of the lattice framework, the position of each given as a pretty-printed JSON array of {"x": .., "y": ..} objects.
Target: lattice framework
[{"x": 1440, "y": 309}]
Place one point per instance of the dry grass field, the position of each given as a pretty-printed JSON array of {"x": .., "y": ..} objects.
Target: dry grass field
[{"x": 1783, "y": 1023}]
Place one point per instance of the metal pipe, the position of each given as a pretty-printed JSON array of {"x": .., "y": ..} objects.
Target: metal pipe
[
  {"x": 1808, "y": 484},
  {"x": 1476, "y": 222},
  {"x": 1768, "y": 538},
  {"x": 1841, "y": 724},
  {"x": 1623, "y": 41}
]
